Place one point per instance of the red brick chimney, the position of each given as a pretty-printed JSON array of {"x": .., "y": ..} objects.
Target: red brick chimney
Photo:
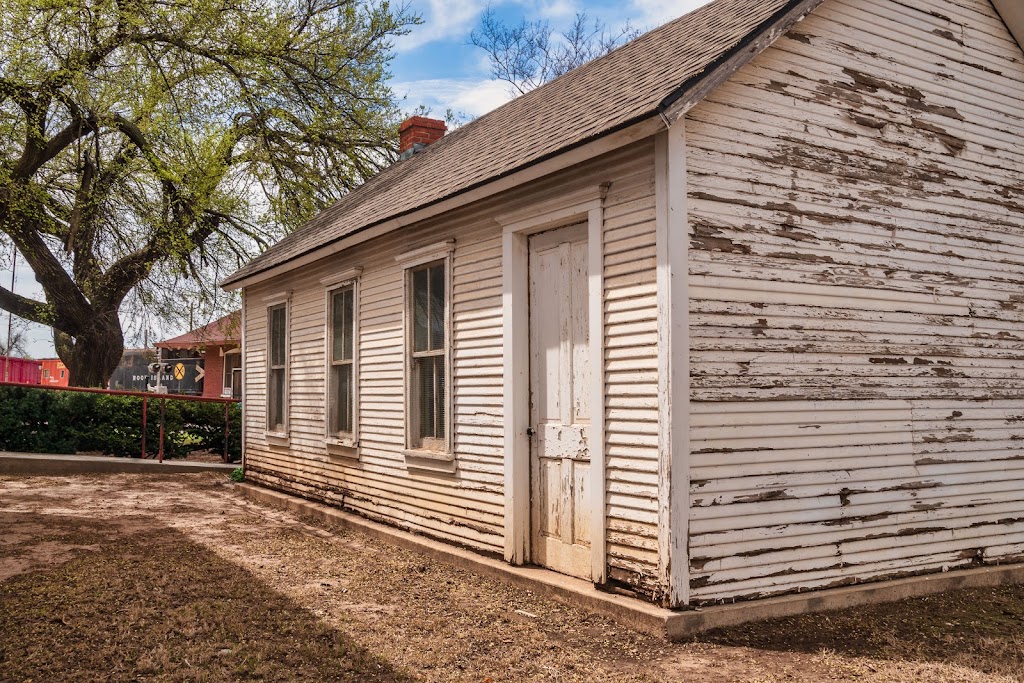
[{"x": 419, "y": 130}]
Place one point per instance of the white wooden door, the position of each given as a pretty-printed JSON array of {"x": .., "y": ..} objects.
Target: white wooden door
[{"x": 559, "y": 401}]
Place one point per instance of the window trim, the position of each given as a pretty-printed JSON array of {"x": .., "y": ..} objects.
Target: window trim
[
  {"x": 342, "y": 443},
  {"x": 438, "y": 252},
  {"x": 284, "y": 301}
]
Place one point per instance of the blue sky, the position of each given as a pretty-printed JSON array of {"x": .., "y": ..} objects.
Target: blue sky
[{"x": 436, "y": 66}]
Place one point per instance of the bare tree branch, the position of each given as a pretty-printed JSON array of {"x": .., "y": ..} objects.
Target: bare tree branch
[{"x": 530, "y": 53}]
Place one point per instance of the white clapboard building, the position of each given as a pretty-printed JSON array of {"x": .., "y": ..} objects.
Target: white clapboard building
[{"x": 735, "y": 310}]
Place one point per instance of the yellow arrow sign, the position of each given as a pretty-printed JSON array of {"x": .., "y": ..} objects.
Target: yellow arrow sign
[{"x": 200, "y": 373}]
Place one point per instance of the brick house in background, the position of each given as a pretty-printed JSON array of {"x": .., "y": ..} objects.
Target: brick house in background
[{"x": 218, "y": 344}]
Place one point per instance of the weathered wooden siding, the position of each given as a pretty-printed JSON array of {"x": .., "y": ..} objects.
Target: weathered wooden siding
[
  {"x": 631, "y": 376},
  {"x": 857, "y": 302},
  {"x": 466, "y": 505}
]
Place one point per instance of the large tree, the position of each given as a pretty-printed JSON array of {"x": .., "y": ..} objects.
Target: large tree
[
  {"x": 13, "y": 337},
  {"x": 149, "y": 146}
]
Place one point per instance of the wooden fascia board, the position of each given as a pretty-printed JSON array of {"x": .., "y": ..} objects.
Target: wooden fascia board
[
  {"x": 697, "y": 88},
  {"x": 1012, "y": 14}
]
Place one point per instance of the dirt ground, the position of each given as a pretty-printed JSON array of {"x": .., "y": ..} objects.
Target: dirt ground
[{"x": 177, "y": 578}]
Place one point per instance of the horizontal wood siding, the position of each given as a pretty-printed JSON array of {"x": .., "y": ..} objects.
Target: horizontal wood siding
[
  {"x": 857, "y": 311},
  {"x": 466, "y": 504},
  {"x": 631, "y": 376}
]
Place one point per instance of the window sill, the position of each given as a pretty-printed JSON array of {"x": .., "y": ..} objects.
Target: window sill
[
  {"x": 347, "y": 448},
  {"x": 277, "y": 439},
  {"x": 440, "y": 456}
]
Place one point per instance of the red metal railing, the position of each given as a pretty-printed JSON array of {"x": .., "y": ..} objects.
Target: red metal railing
[{"x": 145, "y": 396}]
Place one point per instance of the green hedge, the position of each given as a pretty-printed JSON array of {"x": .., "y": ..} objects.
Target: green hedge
[{"x": 46, "y": 421}]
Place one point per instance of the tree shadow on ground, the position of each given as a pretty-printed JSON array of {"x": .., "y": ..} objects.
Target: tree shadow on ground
[
  {"x": 980, "y": 628},
  {"x": 153, "y": 604}
]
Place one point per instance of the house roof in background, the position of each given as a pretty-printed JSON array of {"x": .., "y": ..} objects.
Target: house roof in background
[
  {"x": 221, "y": 332},
  {"x": 629, "y": 85}
]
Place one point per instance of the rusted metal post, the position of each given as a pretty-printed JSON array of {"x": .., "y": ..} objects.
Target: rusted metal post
[
  {"x": 145, "y": 403},
  {"x": 227, "y": 429},
  {"x": 10, "y": 320},
  {"x": 160, "y": 453}
]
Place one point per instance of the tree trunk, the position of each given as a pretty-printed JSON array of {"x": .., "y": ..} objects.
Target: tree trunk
[{"x": 92, "y": 356}]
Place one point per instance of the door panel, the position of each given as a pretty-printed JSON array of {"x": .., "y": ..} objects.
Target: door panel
[{"x": 559, "y": 396}]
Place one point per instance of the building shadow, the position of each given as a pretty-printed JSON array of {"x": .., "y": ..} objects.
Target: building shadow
[{"x": 151, "y": 603}]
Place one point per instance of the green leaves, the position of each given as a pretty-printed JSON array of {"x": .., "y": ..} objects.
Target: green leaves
[{"x": 157, "y": 145}]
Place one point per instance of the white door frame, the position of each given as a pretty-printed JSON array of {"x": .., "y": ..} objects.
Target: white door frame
[{"x": 574, "y": 207}]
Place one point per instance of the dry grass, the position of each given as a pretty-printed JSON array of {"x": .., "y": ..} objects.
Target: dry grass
[{"x": 131, "y": 577}]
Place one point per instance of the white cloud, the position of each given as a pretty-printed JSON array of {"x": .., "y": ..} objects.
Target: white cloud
[
  {"x": 447, "y": 20},
  {"x": 442, "y": 20},
  {"x": 474, "y": 96},
  {"x": 554, "y": 9}
]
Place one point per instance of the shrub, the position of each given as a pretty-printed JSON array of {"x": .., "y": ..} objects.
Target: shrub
[{"x": 36, "y": 420}]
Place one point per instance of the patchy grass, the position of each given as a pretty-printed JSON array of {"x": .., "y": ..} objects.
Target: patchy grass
[
  {"x": 155, "y": 604},
  {"x": 174, "y": 578}
]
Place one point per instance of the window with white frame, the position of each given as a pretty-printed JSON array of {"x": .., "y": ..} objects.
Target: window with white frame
[
  {"x": 341, "y": 360},
  {"x": 232, "y": 374},
  {"x": 428, "y": 382},
  {"x": 277, "y": 370}
]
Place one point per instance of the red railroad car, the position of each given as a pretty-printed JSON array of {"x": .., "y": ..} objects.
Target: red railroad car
[{"x": 20, "y": 370}]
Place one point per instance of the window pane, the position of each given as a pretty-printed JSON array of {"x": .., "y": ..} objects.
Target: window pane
[
  {"x": 429, "y": 388},
  {"x": 424, "y": 387},
  {"x": 232, "y": 362},
  {"x": 275, "y": 408},
  {"x": 341, "y": 321},
  {"x": 341, "y": 398},
  {"x": 420, "y": 309},
  {"x": 277, "y": 336},
  {"x": 347, "y": 325},
  {"x": 437, "y": 307},
  {"x": 428, "y": 302},
  {"x": 439, "y": 397}
]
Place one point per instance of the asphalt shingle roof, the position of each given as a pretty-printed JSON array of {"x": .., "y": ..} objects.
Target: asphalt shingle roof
[{"x": 598, "y": 98}]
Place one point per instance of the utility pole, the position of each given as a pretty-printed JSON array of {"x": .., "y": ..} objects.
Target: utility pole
[{"x": 10, "y": 319}]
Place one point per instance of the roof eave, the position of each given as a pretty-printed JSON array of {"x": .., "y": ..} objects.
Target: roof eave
[
  {"x": 638, "y": 129},
  {"x": 196, "y": 344},
  {"x": 670, "y": 110}
]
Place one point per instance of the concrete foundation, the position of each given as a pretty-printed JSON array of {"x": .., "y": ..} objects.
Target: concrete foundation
[
  {"x": 630, "y": 612},
  {"x": 41, "y": 464}
]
